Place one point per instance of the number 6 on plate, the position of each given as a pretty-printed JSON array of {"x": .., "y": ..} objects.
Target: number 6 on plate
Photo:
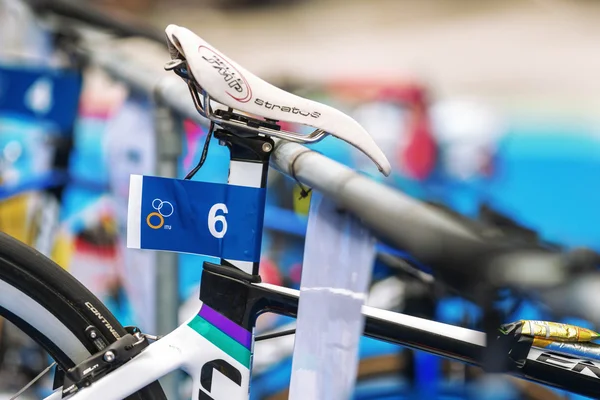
[{"x": 213, "y": 218}]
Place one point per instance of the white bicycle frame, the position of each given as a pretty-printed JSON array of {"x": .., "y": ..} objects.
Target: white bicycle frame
[
  {"x": 184, "y": 349},
  {"x": 188, "y": 350}
]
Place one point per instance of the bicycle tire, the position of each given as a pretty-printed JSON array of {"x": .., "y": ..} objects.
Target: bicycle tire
[{"x": 53, "y": 308}]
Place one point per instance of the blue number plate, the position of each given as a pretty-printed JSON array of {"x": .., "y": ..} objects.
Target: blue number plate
[{"x": 186, "y": 216}]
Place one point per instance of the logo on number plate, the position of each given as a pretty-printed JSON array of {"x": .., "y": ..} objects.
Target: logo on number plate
[
  {"x": 237, "y": 86},
  {"x": 156, "y": 219}
]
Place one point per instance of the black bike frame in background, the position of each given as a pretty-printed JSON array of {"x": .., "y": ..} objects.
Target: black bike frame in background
[{"x": 84, "y": 12}]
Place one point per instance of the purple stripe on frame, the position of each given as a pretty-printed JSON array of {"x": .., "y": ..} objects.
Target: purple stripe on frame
[{"x": 227, "y": 326}]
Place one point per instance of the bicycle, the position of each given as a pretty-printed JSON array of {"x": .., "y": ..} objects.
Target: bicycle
[{"x": 98, "y": 358}]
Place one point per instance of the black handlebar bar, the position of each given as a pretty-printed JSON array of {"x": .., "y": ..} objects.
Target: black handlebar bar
[
  {"x": 468, "y": 253},
  {"x": 85, "y": 12}
]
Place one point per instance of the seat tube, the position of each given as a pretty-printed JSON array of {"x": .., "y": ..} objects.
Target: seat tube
[{"x": 248, "y": 166}]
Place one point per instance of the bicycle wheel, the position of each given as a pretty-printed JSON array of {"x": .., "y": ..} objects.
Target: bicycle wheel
[{"x": 48, "y": 304}]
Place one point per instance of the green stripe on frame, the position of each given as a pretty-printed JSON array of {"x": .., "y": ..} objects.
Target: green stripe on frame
[{"x": 221, "y": 340}]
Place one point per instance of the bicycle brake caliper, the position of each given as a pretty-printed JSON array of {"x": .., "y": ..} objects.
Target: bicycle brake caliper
[{"x": 100, "y": 364}]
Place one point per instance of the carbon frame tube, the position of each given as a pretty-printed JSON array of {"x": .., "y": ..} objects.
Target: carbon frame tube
[{"x": 240, "y": 298}]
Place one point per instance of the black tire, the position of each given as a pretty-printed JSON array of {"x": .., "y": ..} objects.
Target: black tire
[{"x": 59, "y": 293}]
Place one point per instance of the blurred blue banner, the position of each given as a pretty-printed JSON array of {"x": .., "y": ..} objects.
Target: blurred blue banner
[{"x": 47, "y": 94}]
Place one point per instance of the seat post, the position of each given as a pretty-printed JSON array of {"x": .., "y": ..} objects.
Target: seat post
[{"x": 248, "y": 166}]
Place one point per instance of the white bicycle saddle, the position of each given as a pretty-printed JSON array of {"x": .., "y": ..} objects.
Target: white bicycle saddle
[{"x": 230, "y": 84}]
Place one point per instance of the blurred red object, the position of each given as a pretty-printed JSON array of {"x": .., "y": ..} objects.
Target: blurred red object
[
  {"x": 418, "y": 157},
  {"x": 269, "y": 272},
  {"x": 420, "y": 154}
]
